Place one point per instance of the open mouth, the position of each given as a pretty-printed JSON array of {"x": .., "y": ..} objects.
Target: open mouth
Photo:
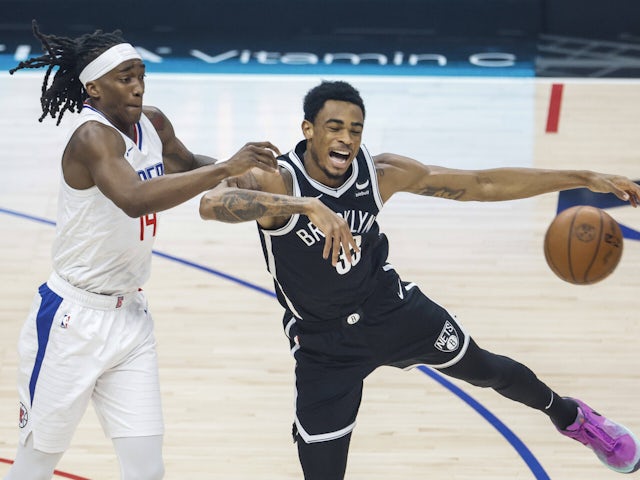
[{"x": 339, "y": 158}]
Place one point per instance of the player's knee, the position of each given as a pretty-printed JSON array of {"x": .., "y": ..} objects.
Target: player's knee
[
  {"x": 484, "y": 369},
  {"x": 150, "y": 471},
  {"x": 34, "y": 472},
  {"x": 323, "y": 460},
  {"x": 140, "y": 457},
  {"x": 32, "y": 464}
]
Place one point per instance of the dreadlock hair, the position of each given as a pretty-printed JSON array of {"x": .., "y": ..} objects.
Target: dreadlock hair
[{"x": 70, "y": 56}]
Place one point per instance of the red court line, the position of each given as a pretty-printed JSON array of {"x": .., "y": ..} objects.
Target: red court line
[
  {"x": 57, "y": 473},
  {"x": 553, "y": 116}
]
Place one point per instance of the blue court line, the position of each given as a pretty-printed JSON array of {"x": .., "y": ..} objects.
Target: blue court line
[
  {"x": 511, "y": 437},
  {"x": 28, "y": 217},
  {"x": 522, "y": 450},
  {"x": 213, "y": 271}
]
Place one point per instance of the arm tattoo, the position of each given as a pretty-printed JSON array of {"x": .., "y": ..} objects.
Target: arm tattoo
[
  {"x": 243, "y": 205},
  {"x": 442, "y": 193}
]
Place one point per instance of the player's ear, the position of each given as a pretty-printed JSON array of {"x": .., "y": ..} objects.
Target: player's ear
[
  {"x": 92, "y": 90},
  {"x": 307, "y": 129}
]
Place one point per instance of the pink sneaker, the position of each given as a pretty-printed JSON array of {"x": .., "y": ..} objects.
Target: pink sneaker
[{"x": 612, "y": 443}]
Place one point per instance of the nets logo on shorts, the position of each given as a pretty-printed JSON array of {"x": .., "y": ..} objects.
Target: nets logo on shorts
[
  {"x": 24, "y": 416},
  {"x": 448, "y": 341}
]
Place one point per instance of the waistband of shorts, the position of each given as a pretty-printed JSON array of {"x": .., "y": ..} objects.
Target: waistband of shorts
[
  {"x": 325, "y": 325},
  {"x": 88, "y": 299}
]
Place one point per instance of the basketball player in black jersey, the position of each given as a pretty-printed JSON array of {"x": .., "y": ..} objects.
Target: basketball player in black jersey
[{"x": 349, "y": 314}]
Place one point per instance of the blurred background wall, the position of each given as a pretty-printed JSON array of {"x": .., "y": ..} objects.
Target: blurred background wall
[{"x": 559, "y": 37}]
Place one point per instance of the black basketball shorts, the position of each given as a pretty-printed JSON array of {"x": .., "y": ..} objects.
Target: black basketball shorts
[{"x": 397, "y": 326}]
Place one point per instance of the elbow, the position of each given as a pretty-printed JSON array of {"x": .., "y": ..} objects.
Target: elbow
[
  {"x": 206, "y": 208},
  {"x": 135, "y": 210},
  {"x": 134, "y": 204},
  {"x": 218, "y": 205},
  {"x": 211, "y": 209}
]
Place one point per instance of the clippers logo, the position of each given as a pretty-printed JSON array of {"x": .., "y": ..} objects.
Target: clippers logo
[
  {"x": 64, "y": 323},
  {"x": 24, "y": 416},
  {"x": 448, "y": 341}
]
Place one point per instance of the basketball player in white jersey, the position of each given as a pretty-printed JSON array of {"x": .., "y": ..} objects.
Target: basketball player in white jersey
[
  {"x": 350, "y": 315},
  {"x": 89, "y": 335}
]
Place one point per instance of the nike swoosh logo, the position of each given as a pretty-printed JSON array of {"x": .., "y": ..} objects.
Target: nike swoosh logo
[
  {"x": 400, "y": 290},
  {"x": 128, "y": 151},
  {"x": 362, "y": 186},
  {"x": 320, "y": 195}
]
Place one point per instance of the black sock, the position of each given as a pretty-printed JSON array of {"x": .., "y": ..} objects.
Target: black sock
[{"x": 562, "y": 411}]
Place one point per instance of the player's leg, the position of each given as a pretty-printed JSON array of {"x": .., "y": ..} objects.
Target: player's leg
[
  {"x": 31, "y": 464},
  {"x": 613, "y": 444},
  {"x": 326, "y": 411},
  {"x": 54, "y": 385},
  {"x": 140, "y": 458},
  {"x": 324, "y": 460},
  {"x": 127, "y": 396},
  {"x": 448, "y": 348},
  {"x": 328, "y": 395},
  {"x": 512, "y": 380}
]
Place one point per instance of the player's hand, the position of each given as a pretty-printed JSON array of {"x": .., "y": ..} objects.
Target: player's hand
[
  {"x": 622, "y": 187},
  {"x": 336, "y": 231},
  {"x": 260, "y": 155}
]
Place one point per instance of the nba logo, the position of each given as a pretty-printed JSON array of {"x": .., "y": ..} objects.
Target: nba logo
[
  {"x": 24, "y": 416},
  {"x": 119, "y": 302},
  {"x": 64, "y": 323}
]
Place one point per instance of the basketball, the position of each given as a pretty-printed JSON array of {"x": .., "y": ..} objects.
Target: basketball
[{"x": 583, "y": 245}]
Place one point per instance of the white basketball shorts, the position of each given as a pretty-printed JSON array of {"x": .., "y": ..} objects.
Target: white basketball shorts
[{"x": 76, "y": 346}]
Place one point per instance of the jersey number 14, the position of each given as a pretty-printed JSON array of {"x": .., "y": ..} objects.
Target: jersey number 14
[{"x": 148, "y": 221}]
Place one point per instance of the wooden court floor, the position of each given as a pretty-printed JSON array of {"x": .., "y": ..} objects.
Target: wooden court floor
[{"x": 225, "y": 366}]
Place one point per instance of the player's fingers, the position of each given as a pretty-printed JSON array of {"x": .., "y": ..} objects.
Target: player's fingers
[
  {"x": 267, "y": 145},
  {"x": 353, "y": 243},
  {"x": 327, "y": 248},
  {"x": 267, "y": 167},
  {"x": 350, "y": 245},
  {"x": 336, "y": 247},
  {"x": 346, "y": 247},
  {"x": 264, "y": 159},
  {"x": 622, "y": 195}
]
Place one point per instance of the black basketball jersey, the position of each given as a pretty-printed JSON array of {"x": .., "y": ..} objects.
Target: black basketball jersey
[{"x": 306, "y": 284}]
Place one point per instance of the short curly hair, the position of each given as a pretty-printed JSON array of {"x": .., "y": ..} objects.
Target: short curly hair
[{"x": 315, "y": 98}]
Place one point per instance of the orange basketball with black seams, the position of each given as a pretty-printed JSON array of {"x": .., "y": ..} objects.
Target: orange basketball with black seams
[{"x": 583, "y": 245}]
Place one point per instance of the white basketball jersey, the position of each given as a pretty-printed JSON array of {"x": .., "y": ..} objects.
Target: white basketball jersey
[{"x": 98, "y": 248}]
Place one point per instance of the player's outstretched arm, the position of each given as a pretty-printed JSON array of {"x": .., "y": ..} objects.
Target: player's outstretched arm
[
  {"x": 264, "y": 198},
  {"x": 95, "y": 156},
  {"x": 402, "y": 174}
]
